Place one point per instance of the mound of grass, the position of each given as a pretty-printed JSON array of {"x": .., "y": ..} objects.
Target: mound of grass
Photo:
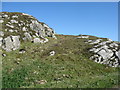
[{"x": 70, "y": 67}]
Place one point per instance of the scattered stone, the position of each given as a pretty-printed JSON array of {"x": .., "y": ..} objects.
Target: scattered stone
[
  {"x": 10, "y": 26},
  {"x": 11, "y": 30},
  {"x": 37, "y": 40},
  {"x": 4, "y": 55},
  {"x": 41, "y": 82},
  {"x": 22, "y": 51},
  {"x": 52, "y": 53},
  {"x": 15, "y": 16},
  {"x": 1, "y": 21},
  {"x": 45, "y": 40},
  {"x": 24, "y": 29},
  {"x": 96, "y": 41},
  {"x": 83, "y": 37},
  {"x": 14, "y": 21}
]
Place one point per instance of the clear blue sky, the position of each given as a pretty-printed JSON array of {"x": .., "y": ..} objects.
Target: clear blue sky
[{"x": 89, "y": 18}]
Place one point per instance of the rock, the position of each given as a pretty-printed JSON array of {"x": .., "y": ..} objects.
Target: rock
[
  {"x": 1, "y": 33},
  {"x": 118, "y": 54},
  {"x": 105, "y": 53},
  {"x": 1, "y": 21},
  {"x": 4, "y": 55},
  {"x": 28, "y": 36},
  {"x": 13, "y": 21},
  {"x": 24, "y": 29},
  {"x": 41, "y": 82},
  {"x": 8, "y": 45},
  {"x": 113, "y": 45},
  {"x": 16, "y": 42},
  {"x": 11, "y": 43},
  {"x": 52, "y": 53},
  {"x": 1, "y": 41},
  {"x": 83, "y": 37},
  {"x": 5, "y": 16},
  {"x": 15, "y": 16},
  {"x": 96, "y": 41},
  {"x": 37, "y": 40},
  {"x": 11, "y": 30},
  {"x": 45, "y": 40},
  {"x": 10, "y": 26},
  {"x": 28, "y": 28},
  {"x": 22, "y": 51}
]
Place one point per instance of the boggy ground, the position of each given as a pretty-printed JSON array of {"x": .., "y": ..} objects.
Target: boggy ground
[{"x": 70, "y": 67}]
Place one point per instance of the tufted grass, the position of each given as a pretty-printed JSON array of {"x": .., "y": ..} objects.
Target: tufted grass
[{"x": 70, "y": 67}]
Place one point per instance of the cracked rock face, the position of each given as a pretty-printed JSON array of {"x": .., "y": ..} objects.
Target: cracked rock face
[
  {"x": 105, "y": 52},
  {"x": 17, "y": 27}
]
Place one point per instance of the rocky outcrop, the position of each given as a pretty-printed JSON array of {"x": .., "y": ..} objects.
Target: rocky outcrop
[
  {"x": 105, "y": 52},
  {"x": 17, "y": 27},
  {"x": 11, "y": 43}
]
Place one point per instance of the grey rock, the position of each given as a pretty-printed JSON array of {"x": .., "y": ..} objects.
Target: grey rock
[
  {"x": 1, "y": 33},
  {"x": 16, "y": 42},
  {"x": 11, "y": 43},
  {"x": 13, "y": 21},
  {"x": 105, "y": 53},
  {"x": 28, "y": 36},
  {"x": 24, "y": 29},
  {"x": 52, "y": 53},
  {"x": 1, "y": 21},
  {"x": 8, "y": 45},
  {"x": 83, "y": 36},
  {"x": 96, "y": 41},
  {"x": 11, "y": 30},
  {"x": 36, "y": 40}
]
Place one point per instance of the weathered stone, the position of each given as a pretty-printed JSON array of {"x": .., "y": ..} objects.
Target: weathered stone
[
  {"x": 8, "y": 45},
  {"x": 106, "y": 54}
]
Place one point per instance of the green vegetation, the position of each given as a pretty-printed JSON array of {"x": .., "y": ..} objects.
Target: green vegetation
[{"x": 70, "y": 67}]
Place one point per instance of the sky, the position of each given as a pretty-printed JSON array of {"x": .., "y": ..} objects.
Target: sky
[{"x": 73, "y": 18}]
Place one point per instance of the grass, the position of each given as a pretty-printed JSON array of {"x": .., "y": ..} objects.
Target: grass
[{"x": 70, "y": 67}]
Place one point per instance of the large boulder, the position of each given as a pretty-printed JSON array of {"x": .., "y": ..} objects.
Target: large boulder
[{"x": 11, "y": 43}]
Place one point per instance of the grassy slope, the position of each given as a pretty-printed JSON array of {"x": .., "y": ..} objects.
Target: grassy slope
[{"x": 69, "y": 67}]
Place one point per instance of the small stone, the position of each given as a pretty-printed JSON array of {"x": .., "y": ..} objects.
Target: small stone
[
  {"x": 41, "y": 82},
  {"x": 52, "y": 53}
]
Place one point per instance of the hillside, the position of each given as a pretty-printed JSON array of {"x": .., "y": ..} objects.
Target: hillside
[{"x": 64, "y": 61}]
